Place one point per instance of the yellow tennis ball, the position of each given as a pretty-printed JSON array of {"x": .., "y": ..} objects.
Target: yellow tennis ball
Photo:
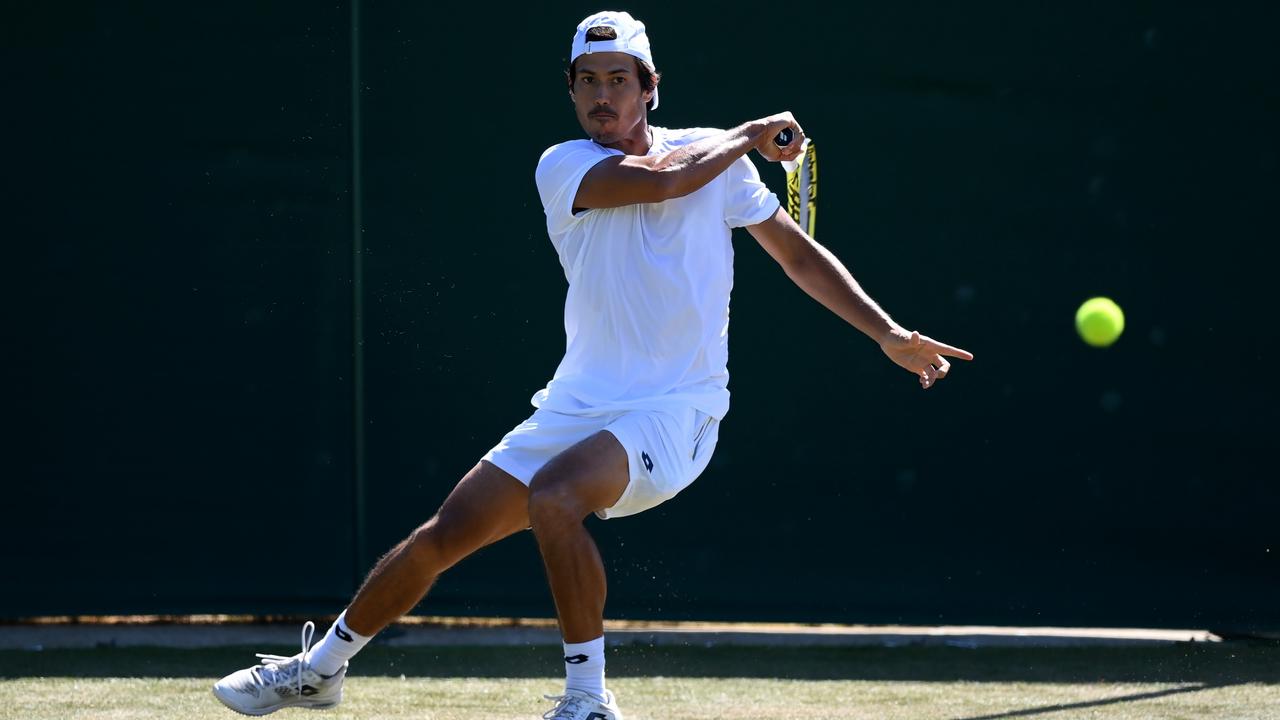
[{"x": 1099, "y": 321}]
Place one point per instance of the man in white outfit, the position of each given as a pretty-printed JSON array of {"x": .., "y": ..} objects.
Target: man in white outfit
[{"x": 641, "y": 218}]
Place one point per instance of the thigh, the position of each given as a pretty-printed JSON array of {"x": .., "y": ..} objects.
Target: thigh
[
  {"x": 486, "y": 505},
  {"x": 587, "y": 477}
]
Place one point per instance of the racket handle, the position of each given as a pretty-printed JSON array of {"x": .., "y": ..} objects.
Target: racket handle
[{"x": 784, "y": 138}]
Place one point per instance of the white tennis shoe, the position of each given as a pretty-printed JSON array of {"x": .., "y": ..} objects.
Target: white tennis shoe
[
  {"x": 280, "y": 682},
  {"x": 579, "y": 705}
]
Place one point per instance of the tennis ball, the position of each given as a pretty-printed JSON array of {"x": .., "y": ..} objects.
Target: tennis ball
[{"x": 1099, "y": 321}]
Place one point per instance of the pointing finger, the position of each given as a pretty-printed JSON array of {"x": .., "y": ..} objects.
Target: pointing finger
[{"x": 951, "y": 351}]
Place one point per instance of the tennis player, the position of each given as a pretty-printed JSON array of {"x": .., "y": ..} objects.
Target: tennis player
[{"x": 641, "y": 217}]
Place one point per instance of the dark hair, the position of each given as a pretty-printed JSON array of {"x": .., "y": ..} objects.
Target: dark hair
[{"x": 649, "y": 77}]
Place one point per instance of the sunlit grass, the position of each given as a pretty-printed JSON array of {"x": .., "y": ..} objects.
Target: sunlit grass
[{"x": 681, "y": 683}]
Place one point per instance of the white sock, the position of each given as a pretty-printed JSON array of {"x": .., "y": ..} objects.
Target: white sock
[
  {"x": 584, "y": 666},
  {"x": 337, "y": 646}
]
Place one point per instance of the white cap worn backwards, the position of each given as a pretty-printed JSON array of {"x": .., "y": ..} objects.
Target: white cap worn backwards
[{"x": 629, "y": 38}]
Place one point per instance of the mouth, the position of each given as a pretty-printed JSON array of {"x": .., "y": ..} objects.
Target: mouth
[{"x": 601, "y": 116}]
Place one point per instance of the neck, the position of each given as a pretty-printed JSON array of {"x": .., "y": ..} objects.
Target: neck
[{"x": 637, "y": 142}]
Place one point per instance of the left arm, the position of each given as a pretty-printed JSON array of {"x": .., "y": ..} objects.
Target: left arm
[{"x": 821, "y": 274}]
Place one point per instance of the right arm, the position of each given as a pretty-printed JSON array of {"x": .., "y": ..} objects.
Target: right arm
[{"x": 634, "y": 179}]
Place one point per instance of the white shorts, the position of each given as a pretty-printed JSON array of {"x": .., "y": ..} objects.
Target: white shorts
[{"x": 665, "y": 451}]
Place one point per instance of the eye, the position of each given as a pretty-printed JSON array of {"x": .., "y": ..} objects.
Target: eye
[{"x": 619, "y": 80}]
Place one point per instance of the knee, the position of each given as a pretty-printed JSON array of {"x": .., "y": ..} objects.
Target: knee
[
  {"x": 427, "y": 543},
  {"x": 552, "y": 505}
]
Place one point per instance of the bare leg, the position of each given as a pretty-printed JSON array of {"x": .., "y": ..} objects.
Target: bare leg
[
  {"x": 587, "y": 477},
  {"x": 487, "y": 505}
]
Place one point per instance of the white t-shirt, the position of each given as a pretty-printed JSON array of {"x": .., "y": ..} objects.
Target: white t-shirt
[{"x": 646, "y": 318}]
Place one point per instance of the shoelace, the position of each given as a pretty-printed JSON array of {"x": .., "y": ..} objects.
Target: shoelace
[
  {"x": 566, "y": 706},
  {"x": 277, "y": 668}
]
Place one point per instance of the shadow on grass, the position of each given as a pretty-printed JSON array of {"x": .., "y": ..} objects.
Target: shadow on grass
[
  {"x": 1133, "y": 697},
  {"x": 1186, "y": 664}
]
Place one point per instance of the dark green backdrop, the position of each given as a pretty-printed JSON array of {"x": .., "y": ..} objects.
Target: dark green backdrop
[{"x": 188, "y": 431}]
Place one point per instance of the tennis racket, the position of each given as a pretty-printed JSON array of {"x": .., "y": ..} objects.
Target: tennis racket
[{"x": 802, "y": 183}]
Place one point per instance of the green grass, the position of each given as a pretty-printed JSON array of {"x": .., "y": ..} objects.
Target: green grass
[{"x": 675, "y": 683}]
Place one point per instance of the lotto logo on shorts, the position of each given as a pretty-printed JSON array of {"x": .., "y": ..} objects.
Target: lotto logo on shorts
[{"x": 648, "y": 462}]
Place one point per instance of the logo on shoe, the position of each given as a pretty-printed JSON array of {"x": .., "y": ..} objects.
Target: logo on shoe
[
  {"x": 576, "y": 659},
  {"x": 597, "y": 716},
  {"x": 308, "y": 691}
]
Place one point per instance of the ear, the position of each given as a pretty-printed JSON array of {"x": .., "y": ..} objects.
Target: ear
[{"x": 648, "y": 94}]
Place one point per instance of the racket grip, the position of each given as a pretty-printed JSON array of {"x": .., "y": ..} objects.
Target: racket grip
[{"x": 783, "y": 138}]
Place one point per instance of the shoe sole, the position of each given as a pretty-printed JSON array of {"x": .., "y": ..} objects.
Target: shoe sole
[{"x": 268, "y": 711}]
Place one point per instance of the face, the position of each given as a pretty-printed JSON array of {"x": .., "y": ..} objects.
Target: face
[{"x": 607, "y": 96}]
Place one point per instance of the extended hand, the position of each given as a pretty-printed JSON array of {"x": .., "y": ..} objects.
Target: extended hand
[{"x": 923, "y": 356}]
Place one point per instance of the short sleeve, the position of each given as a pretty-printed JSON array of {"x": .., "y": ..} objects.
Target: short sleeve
[
  {"x": 560, "y": 172},
  {"x": 747, "y": 200}
]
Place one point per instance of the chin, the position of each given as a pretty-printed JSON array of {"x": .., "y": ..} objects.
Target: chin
[{"x": 602, "y": 135}]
